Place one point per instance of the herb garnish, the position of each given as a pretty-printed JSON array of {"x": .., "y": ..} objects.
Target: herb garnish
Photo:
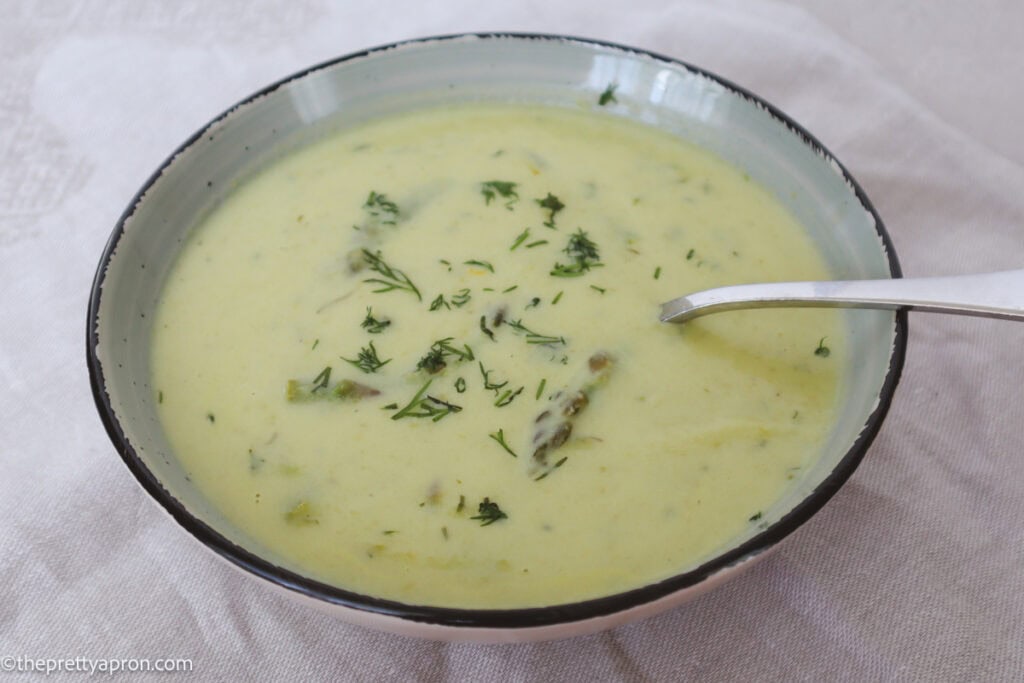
[
  {"x": 557, "y": 298},
  {"x": 460, "y": 298},
  {"x": 499, "y": 436},
  {"x": 531, "y": 245},
  {"x": 507, "y": 397},
  {"x": 435, "y": 361},
  {"x": 488, "y": 384},
  {"x": 379, "y": 204},
  {"x": 540, "y": 387},
  {"x": 484, "y": 329},
  {"x": 583, "y": 253},
  {"x": 392, "y": 278},
  {"x": 439, "y": 302},
  {"x": 502, "y": 188},
  {"x": 428, "y": 406},
  {"x": 488, "y": 513},
  {"x": 367, "y": 361},
  {"x": 523, "y": 236},
  {"x": 756, "y": 516},
  {"x": 460, "y": 385},
  {"x": 316, "y": 343},
  {"x": 602, "y": 290},
  {"x": 553, "y": 205},
  {"x": 371, "y": 324},
  {"x": 608, "y": 95},
  {"x": 533, "y": 337},
  {"x": 482, "y": 264},
  {"x": 822, "y": 350},
  {"x": 211, "y": 418},
  {"x": 657, "y": 272},
  {"x": 321, "y": 380}
]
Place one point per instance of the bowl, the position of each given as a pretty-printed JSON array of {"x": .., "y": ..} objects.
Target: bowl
[{"x": 551, "y": 70}]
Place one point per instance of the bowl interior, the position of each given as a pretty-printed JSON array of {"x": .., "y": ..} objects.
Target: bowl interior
[{"x": 558, "y": 72}]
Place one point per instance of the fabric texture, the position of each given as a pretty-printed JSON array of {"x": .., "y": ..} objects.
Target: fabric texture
[{"x": 912, "y": 572}]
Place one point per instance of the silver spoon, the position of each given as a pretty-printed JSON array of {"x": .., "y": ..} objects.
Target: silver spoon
[{"x": 989, "y": 295}]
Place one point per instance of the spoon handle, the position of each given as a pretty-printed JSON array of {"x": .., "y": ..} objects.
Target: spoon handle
[{"x": 990, "y": 295}]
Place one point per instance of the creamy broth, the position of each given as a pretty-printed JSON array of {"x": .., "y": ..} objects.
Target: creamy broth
[{"x": 420, "y": 359}]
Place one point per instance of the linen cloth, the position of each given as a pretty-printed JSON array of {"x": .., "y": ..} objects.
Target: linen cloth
[{"x": 914, "y": 571}]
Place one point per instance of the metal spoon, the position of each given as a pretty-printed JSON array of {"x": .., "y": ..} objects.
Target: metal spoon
[{"x": 989, "y": 295}]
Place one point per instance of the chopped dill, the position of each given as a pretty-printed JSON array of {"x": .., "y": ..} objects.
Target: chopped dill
[
  {"x": 503, "y": 188},
  {"x": 485, "y": 329},
  {"x": 391, "y": 278},
  {"x": 488, "y": 513},
  {"x": 507, "y": 397},
  {"x": 379, "y": 206},
  {"x": 321, "y": 381},
  {"x": 488, "y": 384},
  {"x": 499, "y": 436},
  {"x": 608, "y": 96},
  {"x": 531, "y": 245},
  {"x": 510, "y": 289},
  {"x": 602, "y": 290},
  {"x": 438, "y": 302},
  {"x": 822, "y": 350},
  {"x": 553, "y": 206},
  {"x": 460, "y": 385},
  {"x": 557, "y": 298},
  {"x": 426, "y": 406},
  {"x": 584, "y": 255},
  {"x": 657, "y": 272},
  {"x": 373, "y": 325},
  {"x": 540, "y": 387},
  {"x": 482, "y": 264},
  {"x": 435, "y": 359},
  {"x": 523, "y": 236},
  {"x": 534, "y": 337},
  {"x": 366, "y": 360}
]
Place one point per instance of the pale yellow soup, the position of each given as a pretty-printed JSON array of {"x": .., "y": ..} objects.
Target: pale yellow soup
[{"x": 562, "y": 444}]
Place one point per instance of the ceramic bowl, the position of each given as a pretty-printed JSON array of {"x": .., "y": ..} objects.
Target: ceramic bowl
[{"x": 551, "y": 70}]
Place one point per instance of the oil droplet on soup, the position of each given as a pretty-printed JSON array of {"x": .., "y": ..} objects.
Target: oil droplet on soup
[{"x": 420, "y": 359}]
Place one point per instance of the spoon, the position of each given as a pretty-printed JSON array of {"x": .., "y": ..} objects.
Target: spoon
[{"x": 989, "y": 295}]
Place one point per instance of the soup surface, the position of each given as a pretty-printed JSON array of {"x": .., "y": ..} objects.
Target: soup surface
[{"x": 420, "y": 359}]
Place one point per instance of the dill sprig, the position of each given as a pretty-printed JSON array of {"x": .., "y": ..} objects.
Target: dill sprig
[
  {"x": 534, "y": 337},
  {"x": 391, "y": 278},
  {"x": 373, "y": 325},
  {"x": 503, "y": 188},
  {"x": 378, "y": 204},
  {"x": 499, "y": 436},
  {"x": 553, "y": 206},
  {"x": 435, "y": 359},
  {"x": 481, "y": 264},
  {"x": 367, "y": 360},
  {"x": 488, "y": 513},
  {"x": 584, "y": 255},
  {"x": 426, "y": 406},
  {"x": 322, "y": 380}
]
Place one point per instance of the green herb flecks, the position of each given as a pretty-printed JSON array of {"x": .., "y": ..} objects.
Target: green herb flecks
[
  {"x": 522, "y": 237},
  {"x": 379, "y": 206},
  {"x": 462, "y": 504},
  {"x": 439, "y": 302},
  {"x": 460, "y": 385},
  {"x": 488, "y": 513},
  {"x": 316, "y": 343},
  {"x": 500, "y": 188},
  {"x": 558, "y": 297},
  {"x": 301, "y": 515},
  {"x": 553, "y": 206},
  {"x": 486, "y": 330},
  {"x": 391, "y": 278},
  {"x": 366, "y": 360},
  {"x": 822, "y": 350},
  {"x": 488, "y": 384},
  {"x": 657, "y": 272},
  {"x": 373, "y": 325},
  {"x": 540, "y": 388},
  {"x": 426, "y": 406},
  {"x": 756, "y": 516},
  {"x": 460, "y": 298},
  {"x": 535, "y": 337},
  {"x": 608, "y": 96},
  {"x": 584, "y": 255},
  {"x": 211, "y": 417},
  {"x": 436, "y": 358},
  {"x": 531, "y": 245},
  {"x": 482, "y": 264},
  {"x": 321, "y": 381},
  {"x": 499, "y": 436},
  {"x": 507, "y": 397},
  {"x": 600, "y": 290}
]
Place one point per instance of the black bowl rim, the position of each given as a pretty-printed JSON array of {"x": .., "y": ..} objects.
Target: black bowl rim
[{"x": 522, "y": 618}]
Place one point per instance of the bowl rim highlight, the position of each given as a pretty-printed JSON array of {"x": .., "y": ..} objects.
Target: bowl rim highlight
[{"x": 593, "y": 610}]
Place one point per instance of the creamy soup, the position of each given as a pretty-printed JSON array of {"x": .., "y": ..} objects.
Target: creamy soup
[{"x": 421, "y": 360}]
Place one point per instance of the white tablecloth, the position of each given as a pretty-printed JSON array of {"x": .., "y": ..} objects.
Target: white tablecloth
[{"x": 914, "y": 571}]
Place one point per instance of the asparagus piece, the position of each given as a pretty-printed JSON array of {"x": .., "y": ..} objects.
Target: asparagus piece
[{"x": 553, "y": 427}]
